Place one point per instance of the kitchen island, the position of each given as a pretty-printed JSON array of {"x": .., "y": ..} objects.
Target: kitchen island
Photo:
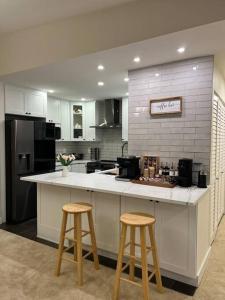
[{"x": 182, "y": 217}]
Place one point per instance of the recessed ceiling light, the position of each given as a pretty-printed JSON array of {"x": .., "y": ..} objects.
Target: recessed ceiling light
[
  {"x": 51, "y": 91},
  {"x": 181, "y": 50},
  {"x": 195, "y": 68},
  {"x": 100, "y": 83},
  {"x": 126, "y": 79},
  {"x": 127, "y": 94},
  {"x": 83, "y": 99},
  {"x": 157, "y": 74},
  {"x": 137, "y": 59},
  {"x": 101, "y": 67}
]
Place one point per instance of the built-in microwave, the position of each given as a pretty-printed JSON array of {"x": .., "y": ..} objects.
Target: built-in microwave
[{"x": 46, "y": 131}]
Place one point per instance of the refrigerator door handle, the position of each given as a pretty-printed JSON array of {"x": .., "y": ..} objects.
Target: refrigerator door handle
[
  {"x": 22, "y": 156},
  {"x": 28, "y": 156}
]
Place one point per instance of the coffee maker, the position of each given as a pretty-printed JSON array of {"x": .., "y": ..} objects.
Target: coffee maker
[
  {"x": 185, "y": 172},
  {"x": 128, "y": 168}
]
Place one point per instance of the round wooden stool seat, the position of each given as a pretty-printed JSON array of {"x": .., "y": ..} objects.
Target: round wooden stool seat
[
  {"x": 76, "y": 208},
  {"x": 137, "y": 219}
]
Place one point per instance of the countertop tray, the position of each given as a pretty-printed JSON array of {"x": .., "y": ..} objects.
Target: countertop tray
[{"x": 154, "y": 183}]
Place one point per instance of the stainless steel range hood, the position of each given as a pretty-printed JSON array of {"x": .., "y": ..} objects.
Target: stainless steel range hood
[{"x": 111, "y": 114}]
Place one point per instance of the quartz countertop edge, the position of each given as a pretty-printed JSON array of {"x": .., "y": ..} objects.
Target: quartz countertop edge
[{"x": 107, "y": 184}]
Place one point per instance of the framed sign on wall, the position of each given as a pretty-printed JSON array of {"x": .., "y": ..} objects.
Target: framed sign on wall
[{"x": 166, "y": 106}]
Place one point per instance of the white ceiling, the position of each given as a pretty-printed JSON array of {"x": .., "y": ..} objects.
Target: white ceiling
[
  {"x": 20, "y": 14},
  {"x": 78, "y": 78}
]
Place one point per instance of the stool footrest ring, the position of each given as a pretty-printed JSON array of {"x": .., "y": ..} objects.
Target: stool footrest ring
[{"x": 131, "y": 281}]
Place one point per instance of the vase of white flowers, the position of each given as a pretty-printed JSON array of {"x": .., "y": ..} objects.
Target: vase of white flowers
[{"x": 65, "y": 161}]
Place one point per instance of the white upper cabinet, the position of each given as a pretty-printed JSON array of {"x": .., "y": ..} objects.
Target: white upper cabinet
[
  {"x": 36, "y": 103},
  {"x": 90, "y": 121},
  {"x": 22, "y": 101},
  {"x": 78, "y": 121},
  {"x": 125, "y": 119},
  {"x": 53, "y": 110},
  {"x": 14, "y": 100},
  {"x": 91, "y": 112},
  {"x": 84, "y": 115},
  {"x": 65, "y": 120}
]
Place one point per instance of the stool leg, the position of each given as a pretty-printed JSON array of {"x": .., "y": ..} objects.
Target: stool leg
[
  {"x": 93, "y": 240},
  {"x": 61, "y": 243},
  {"x": 155, "y": 259},
  {"x": 145, "y": 283},
  {"x": 119, "y": 263},
  {"x": 79, "y": 249},
  {"x": 75, "y": 238},
  {"x": 132, "y": 252}
]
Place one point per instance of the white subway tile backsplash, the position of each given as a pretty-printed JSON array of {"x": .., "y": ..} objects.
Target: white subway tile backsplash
[
  {"x": 110, "y": 145},
  {"x": 174, "y": 137}
]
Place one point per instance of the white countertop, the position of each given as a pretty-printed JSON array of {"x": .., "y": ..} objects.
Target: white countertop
[{"x": 108, "y": 184}]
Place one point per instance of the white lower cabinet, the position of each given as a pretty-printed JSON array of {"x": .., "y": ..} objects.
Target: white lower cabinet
[
  {"x": 175, "y": 236},
  {"x": 107, "y": 226},
  {"x": 50, "y": 201},
  {"x": 182, "y": 231},
  {"x": 137, "y": 205},
  {"x": 83, "y": 196},
  {"x": 172, "y": 231}
]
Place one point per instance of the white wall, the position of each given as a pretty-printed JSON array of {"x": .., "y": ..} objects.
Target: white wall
[
  {"x": 188, "y": 135},
  {"x": 219, "y": 83},
  {"x": 2, "y": 155}
]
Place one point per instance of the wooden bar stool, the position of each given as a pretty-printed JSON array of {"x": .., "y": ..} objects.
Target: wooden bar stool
[
  {"x": 77, "y": 209},
  {"x": 142, "y": 221}
]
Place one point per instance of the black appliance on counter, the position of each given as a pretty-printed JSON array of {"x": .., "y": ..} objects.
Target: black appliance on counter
[
  {"x": 100, "y": 165},
  {"x": 128, "y": 168},
  {"x": 202, "y": 179},
  {"x": 185, "y": 172},
  {"x": 30, "y": 149}
]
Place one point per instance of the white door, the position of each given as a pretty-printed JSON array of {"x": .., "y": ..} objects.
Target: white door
[
  {"x": 65, "y": 120},
  {"x": 14, "y": 100},
  {"x": 53, "y": 110},
  {"x": 107, "y": 215},
  {"x": 36, "y": 103},
  {"x": 90, "y": 121},
  {"x": 125, "y": 119}
]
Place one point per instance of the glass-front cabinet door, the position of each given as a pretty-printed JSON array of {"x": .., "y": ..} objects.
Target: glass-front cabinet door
[{"x": 78, "y": 130}]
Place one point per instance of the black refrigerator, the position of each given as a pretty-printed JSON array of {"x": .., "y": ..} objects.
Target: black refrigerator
[{"x": 29, "y": 150}]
